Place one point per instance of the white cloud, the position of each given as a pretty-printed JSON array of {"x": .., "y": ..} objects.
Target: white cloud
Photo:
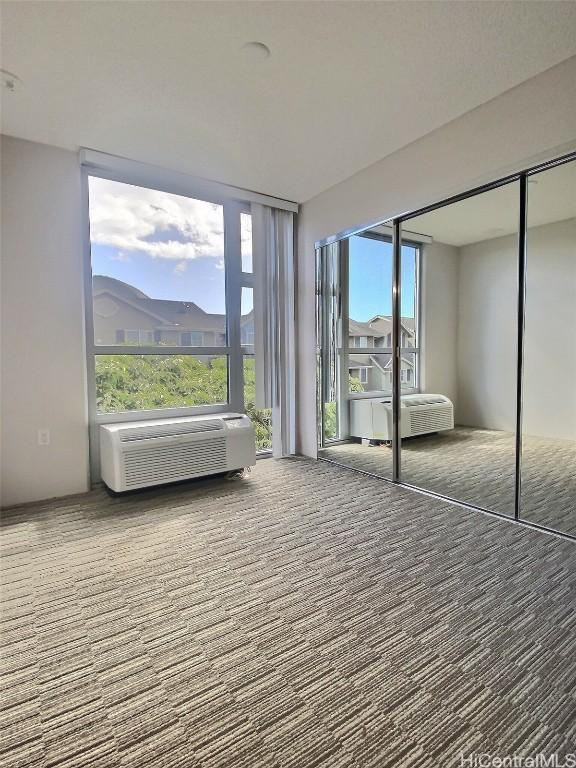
[
  {"x": 181, "y": 267},
  {"x": 159, "y": 224}
]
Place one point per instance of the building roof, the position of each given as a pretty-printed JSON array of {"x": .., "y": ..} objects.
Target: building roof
[
  {"x": 379, "y": 326},
  {"x": 359, "y": 361},
  {"x": 184, "y": 314}
]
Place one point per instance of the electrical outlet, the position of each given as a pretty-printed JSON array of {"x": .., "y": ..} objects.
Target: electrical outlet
[{"x": 43, "y": 437}]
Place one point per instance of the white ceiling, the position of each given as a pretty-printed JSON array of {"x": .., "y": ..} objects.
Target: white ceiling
[
  {"x": 551, "y": 197},
  {"x": 347, "y": 83}
]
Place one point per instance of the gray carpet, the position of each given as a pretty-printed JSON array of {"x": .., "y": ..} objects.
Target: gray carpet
[
  {"x": 306, "y": 617},
  {"x": 476, "y": 466}
]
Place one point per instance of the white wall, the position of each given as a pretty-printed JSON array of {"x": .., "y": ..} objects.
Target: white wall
[
  {"x": 43, "y": 361},
  {"x": 487, "y": 333},
  {"x": 549, "y": 406},
  {"x": 529, "y": 123},
  {"x": 439, "y": 306}
]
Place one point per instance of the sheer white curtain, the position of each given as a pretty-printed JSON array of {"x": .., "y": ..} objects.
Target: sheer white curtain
[{"x": 273, "y": 264}]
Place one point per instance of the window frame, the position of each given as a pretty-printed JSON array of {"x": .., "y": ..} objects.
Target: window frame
[{"x": 235, "y": 279}]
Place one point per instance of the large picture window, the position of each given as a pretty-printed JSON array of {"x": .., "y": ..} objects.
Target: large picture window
[{"x": 170, "y": 326}]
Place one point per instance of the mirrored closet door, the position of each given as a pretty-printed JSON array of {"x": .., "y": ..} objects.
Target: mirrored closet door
[
  {"x": 459, "y": 430},
  {"x": 548, "y": 487},
  {"x": 447, "y": 348}
]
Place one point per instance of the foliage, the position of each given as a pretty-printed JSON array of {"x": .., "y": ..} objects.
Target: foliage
[
  {"x": 330, "y": 432},
  {"x": 330, "y": 418},
  {"x": 356, "y": 385},
  {"x": 144, "y": 382},
  {"x": 261, "y": 417}
]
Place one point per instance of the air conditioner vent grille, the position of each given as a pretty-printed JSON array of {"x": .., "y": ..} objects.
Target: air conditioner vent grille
[
  {"x": 168, "y": 463},
  {"x": 431, "y": 420},
  {"x": 169, "y": 430},
  {"x": 423, "y": 401}
]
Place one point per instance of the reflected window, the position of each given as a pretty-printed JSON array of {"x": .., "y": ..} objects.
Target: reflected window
[{"x": 369, "y": 295}]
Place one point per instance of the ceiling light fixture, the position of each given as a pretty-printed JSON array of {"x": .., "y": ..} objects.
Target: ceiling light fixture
[
  {"x": 256, "y": 50},
  {"x": 10, "y": 81}
]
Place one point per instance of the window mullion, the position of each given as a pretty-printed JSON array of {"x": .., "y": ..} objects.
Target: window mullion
[
  {"x": 127, "y": 349},
  {"x": 233, "y": 266}
]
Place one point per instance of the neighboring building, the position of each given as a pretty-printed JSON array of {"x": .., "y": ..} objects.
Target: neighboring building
[
  {"x": 374, "y": 371},
  {"x": 124, "y": 315}
]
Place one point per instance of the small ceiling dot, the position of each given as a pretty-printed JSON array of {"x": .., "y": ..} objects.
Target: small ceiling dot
[
  {"x": 10, "y": 81},
  {"x": 256, "y": 50}
]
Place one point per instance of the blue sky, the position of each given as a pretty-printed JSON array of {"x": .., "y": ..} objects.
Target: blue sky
[
  {"x": 371, "y": 278},
  {"x": 200, "y": 282}
]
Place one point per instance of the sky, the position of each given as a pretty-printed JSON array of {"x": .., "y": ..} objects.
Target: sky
[
  {"x": 168, "y": 246},
  {"x": 373, "y": 296},
  {"x": 172, "y": 247}
]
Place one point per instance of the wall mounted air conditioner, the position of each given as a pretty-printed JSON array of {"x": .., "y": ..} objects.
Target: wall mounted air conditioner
[
  {"x": 139, "y": 454},
  {"x": 371, "y": 418}
]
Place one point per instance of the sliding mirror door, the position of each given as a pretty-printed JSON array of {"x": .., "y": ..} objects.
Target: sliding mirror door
[
  {"x": 458, "y": 429},
  {"x": 548, "y": 495}
]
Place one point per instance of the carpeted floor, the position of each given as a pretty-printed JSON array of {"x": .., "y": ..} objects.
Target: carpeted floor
[
  {"x": 306, "y": 617},
  {"x": 476, "y": 466}
]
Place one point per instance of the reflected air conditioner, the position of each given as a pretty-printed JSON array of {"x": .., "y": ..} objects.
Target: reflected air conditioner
[{"x": 371, "y": 418}]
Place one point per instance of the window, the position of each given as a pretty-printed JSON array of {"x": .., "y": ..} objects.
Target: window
[
  {"x": 261, "y": 417},
  {"x": 134, "y": 337},
  {"x": 161, "y": 295},
  {"x": 369, "y": 301},
  {"x": 247, "y": 318},
  {"x": 364, "y": 375},
  {"x": 192, "y": 339},
  {"x": 246, "y": 241}
]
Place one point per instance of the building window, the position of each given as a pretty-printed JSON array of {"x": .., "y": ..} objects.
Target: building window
[
  {"x": 134, "y": 337},
  {"x": 192, "y": 339},
  {"x": 364, "y": 375}
]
